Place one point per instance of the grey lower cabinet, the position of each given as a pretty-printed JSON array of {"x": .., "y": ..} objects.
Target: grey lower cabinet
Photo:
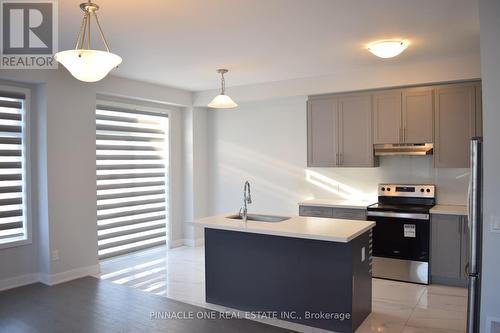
[
  {"x": 339, "y": 131},
  {"x": 449, "y": 248},
  {"x": 333, "y": 212}
]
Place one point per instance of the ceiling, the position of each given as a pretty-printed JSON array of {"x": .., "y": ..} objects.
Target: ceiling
[{"x": 180, "y": 43}]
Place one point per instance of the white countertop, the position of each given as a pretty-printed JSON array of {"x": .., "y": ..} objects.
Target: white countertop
[
  {"x": 449, "y": 210},
  {"x": 334, "y": 230},
  {"x": 338, "y": 203}
]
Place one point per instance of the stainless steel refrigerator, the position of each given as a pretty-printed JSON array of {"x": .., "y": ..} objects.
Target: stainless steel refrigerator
[{"x": 475, "y": 234}]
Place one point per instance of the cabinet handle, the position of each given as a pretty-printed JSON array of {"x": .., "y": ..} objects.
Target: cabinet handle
[{"x": 460, "y": 225}]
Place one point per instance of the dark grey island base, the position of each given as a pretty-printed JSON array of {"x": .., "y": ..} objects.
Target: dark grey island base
[{"x": 301, "y": 280}]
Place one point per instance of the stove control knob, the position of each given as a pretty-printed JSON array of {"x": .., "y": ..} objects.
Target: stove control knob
[
  {"x": 428, "y": 190},
  {"x": 389, "y": 189},
  {"x": 421, "y": 190},
  {"x": 383, "y": 189}
]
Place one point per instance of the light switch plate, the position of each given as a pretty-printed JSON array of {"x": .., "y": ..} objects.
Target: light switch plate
[
  {"x": 495, "y": 224},
  {"x": 55, "y": 255}
]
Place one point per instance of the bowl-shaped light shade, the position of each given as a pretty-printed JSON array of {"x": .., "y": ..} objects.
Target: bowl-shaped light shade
[
  {"x": 222, "y": 102},
  {"x": 88, "y": 65},
  {"x": 388, "y": 48}
]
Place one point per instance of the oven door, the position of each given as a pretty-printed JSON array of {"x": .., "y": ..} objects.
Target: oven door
[{"x": 401, "y": 235}]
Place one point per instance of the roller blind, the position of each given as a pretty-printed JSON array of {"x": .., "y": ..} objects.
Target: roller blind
[
  {"x": 132, "y": 180},
  {"x": 12, "y": 165}
]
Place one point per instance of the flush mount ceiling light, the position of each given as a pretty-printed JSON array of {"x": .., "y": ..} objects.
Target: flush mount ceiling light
[
  {"x": 387, "y": 48},
  {"x": 83, "y": 63},
  {"x": 222, "y": 101}
]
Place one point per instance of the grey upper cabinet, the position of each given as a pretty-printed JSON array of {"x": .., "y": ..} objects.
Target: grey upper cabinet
[
  {"x": 322, "y": 136},
  {"x": 418, "y": 115},
  {"x": 403, "y": 116},
  {"x": 387, "y": 117},
  {"x": 340, "y": 131},
  {"x": 454, "y": 124},
  {"x": 355, "y": 131}
]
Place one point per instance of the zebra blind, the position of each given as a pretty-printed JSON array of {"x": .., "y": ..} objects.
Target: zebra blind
[
  {"x": 132, "y": 180},
  {"x": 12, "y": 165}
]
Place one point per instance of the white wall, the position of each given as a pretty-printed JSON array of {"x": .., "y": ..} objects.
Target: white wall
[
  {"x": 265, "y": 142},
  {"x": 386, "y": 74},
  {"x": 195, "y": 161},
  {"x": 64, "y": 169},
  {"x": 489, "y": 11}
]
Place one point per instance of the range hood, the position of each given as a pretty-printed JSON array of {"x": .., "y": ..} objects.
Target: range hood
[{"x": 408, "y": 149}]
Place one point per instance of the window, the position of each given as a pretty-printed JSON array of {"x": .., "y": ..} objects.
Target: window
[
  {"x": 14, "y": 228},
  {"x": 132, "y": 180}
]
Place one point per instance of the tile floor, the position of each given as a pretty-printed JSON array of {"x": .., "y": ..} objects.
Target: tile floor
[{"x": 397, "y": 307}]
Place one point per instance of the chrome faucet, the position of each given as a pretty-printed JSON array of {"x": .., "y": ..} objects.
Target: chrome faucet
[{"x": 247, "y": 199}]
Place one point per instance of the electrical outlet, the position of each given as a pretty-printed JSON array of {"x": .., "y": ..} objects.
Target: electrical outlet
[
  {"x": 495, "y": 224},
  {"x": 55, "y": 255}
]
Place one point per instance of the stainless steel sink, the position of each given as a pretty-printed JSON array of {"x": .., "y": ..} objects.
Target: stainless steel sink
[{"x": 260, "y": 218}]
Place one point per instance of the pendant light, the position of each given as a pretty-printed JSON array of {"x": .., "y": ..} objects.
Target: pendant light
[
  {"x": 222, "y": 101},
  {"x": 83, "y": 63}
]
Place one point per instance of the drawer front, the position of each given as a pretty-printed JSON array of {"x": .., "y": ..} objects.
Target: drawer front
[
  {"x": 349, "y": 214},
  {"x": 315, "y": 211}
]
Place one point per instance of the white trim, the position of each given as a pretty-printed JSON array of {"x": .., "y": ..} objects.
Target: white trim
[
  {"x": 176, "y": 243},
  {"x": 19, "y": 281},
  {"x": 27, "y": 206},
  {"x": 73, "y": 274}
]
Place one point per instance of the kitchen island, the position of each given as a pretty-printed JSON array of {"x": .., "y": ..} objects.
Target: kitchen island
[{"x": 312, "y": 271}]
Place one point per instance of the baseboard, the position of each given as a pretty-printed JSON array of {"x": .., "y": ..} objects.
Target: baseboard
[
  {"x": 194, "y": 242},
  {"x": 19, "y": 281},
  {"x": 73, "y": 274},
  {"x": 176, "y": 243}
]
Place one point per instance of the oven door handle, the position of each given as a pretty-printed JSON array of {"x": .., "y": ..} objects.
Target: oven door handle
[{"x": 412, "y": 216}]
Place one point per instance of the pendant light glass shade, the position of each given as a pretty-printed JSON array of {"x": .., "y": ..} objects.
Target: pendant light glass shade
[
  {"x": 222, "y": 101},
  {"x": 86, "y": 64}
]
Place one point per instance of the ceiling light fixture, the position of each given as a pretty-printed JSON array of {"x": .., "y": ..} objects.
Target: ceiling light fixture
[
  {"x": 222, "y": 101},
  {"x": 387, "y": 48},
  {"x": 83, "y": 63}
]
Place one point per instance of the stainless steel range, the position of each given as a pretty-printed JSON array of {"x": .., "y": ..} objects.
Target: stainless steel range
[{"x": 401, "y": 238}]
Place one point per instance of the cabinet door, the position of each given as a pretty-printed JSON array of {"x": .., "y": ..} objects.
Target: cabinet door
[
  {"x": 418, "y": 115},
  {"x": 387, "y": 122},
  {"x": 355, "y": 131},
  {"x": 322, "y": 136},
  {"x": 446, "y": 246},
  {"x": 464, "y": 250},
  {"x": 315, "y": 211},
  {"x": 454, "y": 125}
]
